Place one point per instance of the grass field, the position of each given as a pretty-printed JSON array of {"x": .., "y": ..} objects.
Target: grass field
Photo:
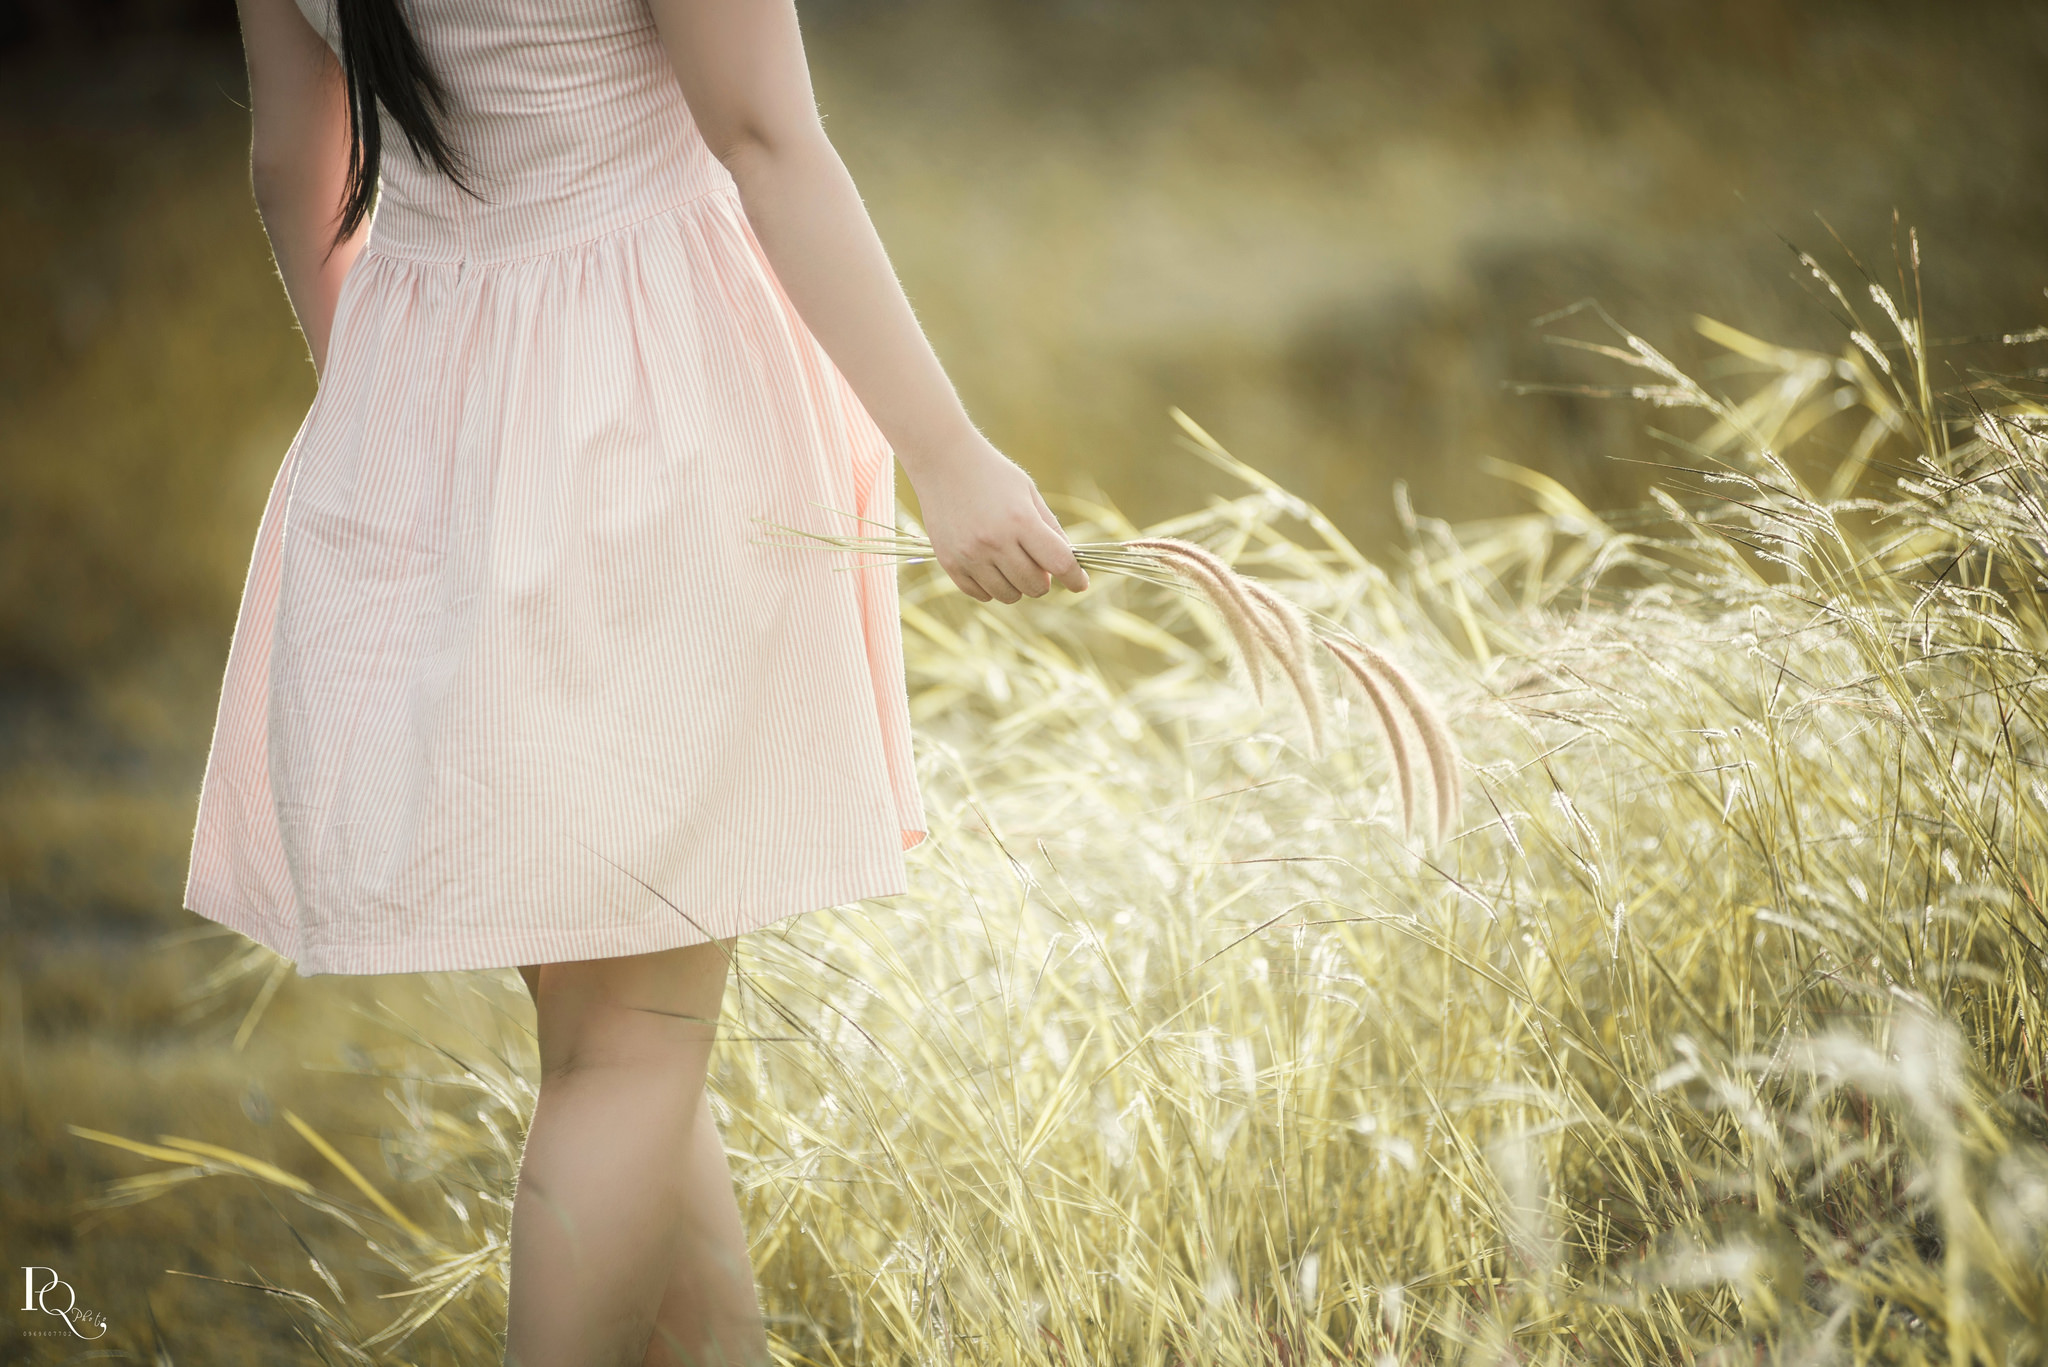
[{"x": 1708, "y": 1034}]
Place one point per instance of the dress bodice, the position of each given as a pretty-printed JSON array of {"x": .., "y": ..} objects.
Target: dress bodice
[{"x": 567, "y": 120}]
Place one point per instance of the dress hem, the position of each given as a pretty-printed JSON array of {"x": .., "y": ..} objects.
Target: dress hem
[{"x": 513, "y": 946}]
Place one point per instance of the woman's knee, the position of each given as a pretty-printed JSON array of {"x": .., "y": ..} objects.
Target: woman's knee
[{"x": 658, "y": 1009}]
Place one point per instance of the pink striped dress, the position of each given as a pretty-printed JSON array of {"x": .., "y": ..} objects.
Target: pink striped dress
[{"x": 517, "y": 676}]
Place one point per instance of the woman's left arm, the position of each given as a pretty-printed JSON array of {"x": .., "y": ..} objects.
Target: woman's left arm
[{"x": 298, "y": 159}]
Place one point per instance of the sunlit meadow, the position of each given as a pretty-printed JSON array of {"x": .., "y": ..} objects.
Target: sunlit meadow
[
  {"x": 1706, "y": 1032},
  {"x": 1706, "y": 1026}
]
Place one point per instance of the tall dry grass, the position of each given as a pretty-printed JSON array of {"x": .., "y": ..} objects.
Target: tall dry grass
[{"x": 1708, "y": 1034}]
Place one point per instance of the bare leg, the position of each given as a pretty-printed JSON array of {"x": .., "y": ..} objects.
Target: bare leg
[
  {"x": 606, "y": 1206},
  {"x": 710, "y": 1314}
]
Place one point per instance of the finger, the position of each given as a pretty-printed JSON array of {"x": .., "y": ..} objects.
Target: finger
[
  {"x": 1022, "y": 569},
  {"x": 965, "y": 582},
  {"x": 1063, "y": 565},
  {"x": 1055, "y": 554},
  {"x": 992, "y": 579}
]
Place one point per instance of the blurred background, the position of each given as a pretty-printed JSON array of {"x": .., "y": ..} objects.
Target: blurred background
[{"x": 1322, "y": 227}]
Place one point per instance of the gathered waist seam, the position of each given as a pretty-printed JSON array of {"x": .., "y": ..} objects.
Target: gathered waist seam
[{"x": 372, "y": 247}]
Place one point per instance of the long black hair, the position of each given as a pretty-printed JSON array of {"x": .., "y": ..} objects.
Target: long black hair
[{"x": 381, "y": 63}]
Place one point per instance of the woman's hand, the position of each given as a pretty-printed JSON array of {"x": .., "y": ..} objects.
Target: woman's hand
[{"x": 988, "y": 526}]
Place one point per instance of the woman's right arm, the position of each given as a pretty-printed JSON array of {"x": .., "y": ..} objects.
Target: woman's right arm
[{"x": 298, "y": 159}]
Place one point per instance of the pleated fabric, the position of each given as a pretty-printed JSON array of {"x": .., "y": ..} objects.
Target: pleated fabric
[{"x": 519, "y": 675}]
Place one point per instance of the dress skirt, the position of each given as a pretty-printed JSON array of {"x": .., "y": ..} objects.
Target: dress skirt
[{"x": 519, "y": 674}]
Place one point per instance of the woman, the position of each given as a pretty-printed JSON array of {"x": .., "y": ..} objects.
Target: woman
[{"x": 517, "y": 680}]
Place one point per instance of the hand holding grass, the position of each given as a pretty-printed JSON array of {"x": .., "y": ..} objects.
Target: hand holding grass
[
  {"x": 1269, "y": 631},
  {"x": 990, "y": 529}
]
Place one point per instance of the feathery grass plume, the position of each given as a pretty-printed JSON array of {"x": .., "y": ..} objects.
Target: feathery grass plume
[
  {"x": 1280, "y": 626},
  {"x": 1284, "y": 632},
  {"x": 1390, "y": 727},
  {"x": 1217, "y": 582},
  {"x": 1265, "y": 627},
  {"x": 1299, "y": 658},
  {"x": 1437, "y": 743}
]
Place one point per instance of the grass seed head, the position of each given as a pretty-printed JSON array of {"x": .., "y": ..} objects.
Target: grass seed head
[
  {"x": 1219, "y": 586},
  {"x": 1297, "y": 659},
  {"x": 1437, "y": 742},
  {"x": 1387, "y": 711}
]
